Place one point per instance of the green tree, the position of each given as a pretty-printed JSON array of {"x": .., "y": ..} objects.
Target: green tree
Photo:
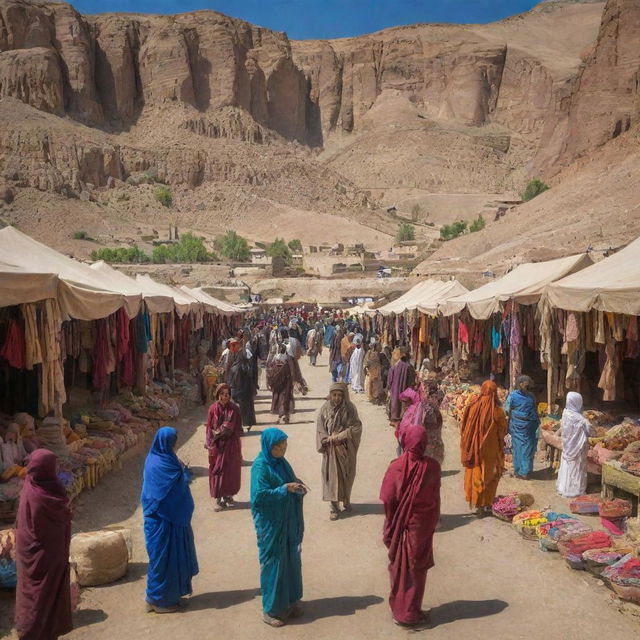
[
  {"x": 534, "y": 188},
  {"x": 406, "y": 231},
  {"x": 279, "y": 249},
  {"x": 295, "y": 245},
  {"x": 453, "y": 230},
  {"x": 164, "y": 196},
  {"x": 234, "y": 247},
  {"x": 478, "y": 224},
  {"x": 162, "y": 254},
  {"x": 120, "y": 255}
]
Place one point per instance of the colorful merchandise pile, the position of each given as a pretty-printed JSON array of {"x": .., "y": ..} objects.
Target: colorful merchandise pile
[{"x": 8, "y": 559}]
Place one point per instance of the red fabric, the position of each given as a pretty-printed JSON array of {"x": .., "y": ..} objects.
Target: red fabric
[
  {"x": 14, "y": 347},
  {"x": 411, "y": 496},
  {"x": 100, "y": 377},
  {"x": 43, "y": 533},
  {"x": 225, "y": 452}
]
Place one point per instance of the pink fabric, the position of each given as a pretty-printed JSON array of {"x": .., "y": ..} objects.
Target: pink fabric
[
  {"x": 225, "y": 451},
  {"x": 411, "y": 496},
  {"x": 414, "y": 413}
]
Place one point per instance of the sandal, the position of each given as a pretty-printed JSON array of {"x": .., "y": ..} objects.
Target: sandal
[
  {"x": 220, "y": 506},
  {"x": 333, "y": 515},
  {"x": 152, "y": 608},
  {"x": 272, "y": 622},
  {"x": 229, "y": 502}
]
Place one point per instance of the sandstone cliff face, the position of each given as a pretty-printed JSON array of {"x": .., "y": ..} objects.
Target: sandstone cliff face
[{"x": 603, "y": 100}]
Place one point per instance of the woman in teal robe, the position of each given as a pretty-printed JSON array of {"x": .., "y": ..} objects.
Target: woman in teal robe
[
  {"x": 276, "y": 506},
  {"x": 523, "y": 427}
]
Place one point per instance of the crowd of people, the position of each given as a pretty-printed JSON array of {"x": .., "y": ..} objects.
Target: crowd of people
[{"x": 410, "y": 490}]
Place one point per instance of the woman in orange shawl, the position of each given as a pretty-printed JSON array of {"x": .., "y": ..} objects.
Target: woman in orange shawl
[{"x": 484, "y": 427}]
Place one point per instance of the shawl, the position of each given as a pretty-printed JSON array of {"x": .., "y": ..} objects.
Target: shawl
[
  {"x": 575, "y": 428},
  {"x": 268, "y": 439},
  {"x": 476, "y": 421},
  {"x": 165, "y": 483},
  {"x": 43, "y": 534}
]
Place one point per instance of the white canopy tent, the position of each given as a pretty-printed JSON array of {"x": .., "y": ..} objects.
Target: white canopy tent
[
  {"x": 212, "y": 303},
  {"x": 425, "y": 296},
  {"x": 613, "y": 285},
  {"x": 155, "y": 303},
  {"x": 183, "y": 303},
  {"x": 82, "y": 293},
  {"x": 525, "y": 284},
  {"x": 20, "y": 286}
]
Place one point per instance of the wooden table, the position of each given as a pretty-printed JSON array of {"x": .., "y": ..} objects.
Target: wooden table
[{"x": 614, "y": 477}]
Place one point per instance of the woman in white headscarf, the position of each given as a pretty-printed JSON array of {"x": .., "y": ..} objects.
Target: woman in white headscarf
[
  {"x": 575, "y": 430},
  {"x": 356, "y": 366}
]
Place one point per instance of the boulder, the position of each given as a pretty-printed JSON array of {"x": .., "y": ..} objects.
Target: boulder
[{"x": 100, "y": 557}]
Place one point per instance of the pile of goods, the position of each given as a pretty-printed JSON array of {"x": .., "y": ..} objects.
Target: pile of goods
[
  {"x": 506, "y": 507},
  {"x": 457, "y": 397},
  {"x": 92, "y": 441},
  {"x": 100, "y": 557},
  {"x": 8, "y": 559},
  {"x": 624, "y": 577}
]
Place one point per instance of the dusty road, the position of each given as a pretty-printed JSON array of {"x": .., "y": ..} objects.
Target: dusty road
[{"x": 488, "y": 583}]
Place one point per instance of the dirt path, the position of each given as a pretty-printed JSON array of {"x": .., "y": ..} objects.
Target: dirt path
[{"x": 488, "y": 583}]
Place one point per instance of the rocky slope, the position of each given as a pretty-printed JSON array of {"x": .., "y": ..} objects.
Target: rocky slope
[{"x": 245, "y": 124}]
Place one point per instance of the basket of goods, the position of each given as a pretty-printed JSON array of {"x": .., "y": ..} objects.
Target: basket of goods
[
  {"x": 527, "y": 522},
  {"x": 624, "y": 577},
  {"x": 550, "y": 532},
  {"x": 572, "y": 546},
  {"x": 585, "y": 505},
  {"x": 614, "y": 509},
  {"x": 505, "y": 507},
  {"x": 599, "y": 559}
]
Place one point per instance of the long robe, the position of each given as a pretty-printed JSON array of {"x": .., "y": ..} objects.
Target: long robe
[
  {"x": 43, "y": 534},
  {"x": 167, "y": 507},
  {"x": 224, "y": 430},
  {"x": 286, "y": 374},
  {"x": 401, "y": 376},
  {"x": 241, "y": 381},
  {"x": 574, "y": 429},
  {"x": 277, "y": 516},
  {"x": 523, "y": 427},
  {"x": 411, "y": 496},
  {"x": 374, "y": 386},
  {"x": 356, "y": 369},
  {"x": 338, "y": 437},
  {"x": 483, "y": 429}
]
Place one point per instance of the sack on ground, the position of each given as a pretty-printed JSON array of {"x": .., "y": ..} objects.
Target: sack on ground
[{"x": 100, "y": 557}]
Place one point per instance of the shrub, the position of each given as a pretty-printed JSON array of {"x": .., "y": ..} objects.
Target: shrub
[
  {"x": 190, "y": 249},
  {"x": 453, "y": 230},
  {"x": 81, "y": 235},
  {"x": 295, "y": 245},
  {"x": 406, "y": 231},
  {"x": 279, "y": 249},
  {"x": 534, "y": 188},
  {"x": 120, "y": 255},
  {"x": 234, "y": 247},
  {"x": 478, "y": 224},
  {"x": 164, "y": 196}
]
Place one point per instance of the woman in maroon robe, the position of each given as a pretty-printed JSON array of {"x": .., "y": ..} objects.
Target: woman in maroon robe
[
  {"x": 224, "y": 429},
  {"x": 411, "y": 496},
  {"x": 43, "y": 534}
]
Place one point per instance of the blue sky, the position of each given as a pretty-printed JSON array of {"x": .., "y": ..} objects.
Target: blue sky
[{"x": 326, "y": 18}]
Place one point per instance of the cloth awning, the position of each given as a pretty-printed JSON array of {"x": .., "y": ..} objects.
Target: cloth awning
[
  {"x": 613, "y": 285},
  {"x": 525, "y": 284},
  {"x": 181, "y": 301},
  {"x": 20, "y": 286},
  {"x": 121, "y": 281},
  {"x": 211, "y": 303},
  {"x": 425, "y": 296},
  {"x": 82, "y": 293}
]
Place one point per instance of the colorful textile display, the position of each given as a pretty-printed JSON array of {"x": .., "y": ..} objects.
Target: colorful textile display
[{"x": 506, "y": 507}]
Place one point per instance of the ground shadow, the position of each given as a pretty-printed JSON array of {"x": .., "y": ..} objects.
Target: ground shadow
[
  {"x": 542, "y": 474},
  {"x": 450, "y": 472},
  {"x": 338, "y": 606},
  {"x": 451, "y": 521},
  {"x": 238, "y": 506},
  {"x": 87, "y": 617},
  {"x": 252, "y": 432},
  {"x": 364, "y": 509},
  {"x": 220, "y": 599},
  {"x": 298, "y": 398},
  {"x": 199, "y": 472},
  {"x": 135, "y": 571},
  {"x": 465, "y": 610}
]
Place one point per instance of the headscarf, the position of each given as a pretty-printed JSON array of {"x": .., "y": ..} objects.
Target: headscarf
[
  {"x": 13, "y": 452},
  {"x": 341, "y": 386},
  {"x": 357, "y": 339},
  {"x": 165, "y": 489},
  {"x": 522, "y": 379},
  {"x": 476, "y": 421},
  {"x": 221, "y": 387},
  {"x": 574, "y": 403},
  {"x": 43, "y": 479},
  {"x": 268, "y": 439}
]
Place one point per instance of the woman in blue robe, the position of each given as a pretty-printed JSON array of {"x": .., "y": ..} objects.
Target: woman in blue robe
[
  {"x": 523, "y": 427},
  {"x": 276, "y": 506},
  {"x": 167, "y": 507}
]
